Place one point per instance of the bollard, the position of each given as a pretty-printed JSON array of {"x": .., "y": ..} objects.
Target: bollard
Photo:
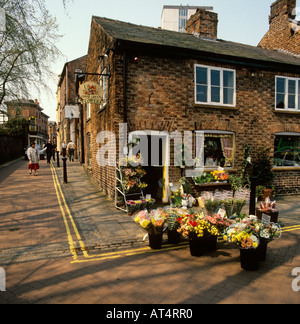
[
  {"x": 252, "y": 196},
  {"x": 57, "y": 158},
  {"x": 65, "y": 169}
]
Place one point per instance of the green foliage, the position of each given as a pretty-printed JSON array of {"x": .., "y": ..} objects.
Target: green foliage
[
  {"x": 15, "y": 126},
  {"x": 233, "y": 206},
  {"x": 262, "y": 168},
  {"x": 212, "y": 205},
  {"x": 173, "y": 224}
]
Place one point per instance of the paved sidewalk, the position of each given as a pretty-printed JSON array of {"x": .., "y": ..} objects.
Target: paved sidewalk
[
  {"x": 86, "y": 251},
  {"x": 103, "y": 227}
]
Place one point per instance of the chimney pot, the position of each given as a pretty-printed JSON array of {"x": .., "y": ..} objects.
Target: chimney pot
[{"x": 204, "y": 23}]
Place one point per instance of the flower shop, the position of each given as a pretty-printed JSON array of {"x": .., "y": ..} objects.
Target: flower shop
[{"x": 202, "y": 222}]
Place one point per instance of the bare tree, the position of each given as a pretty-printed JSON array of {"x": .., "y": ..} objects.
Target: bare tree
[{"x": 27, "y": 48}]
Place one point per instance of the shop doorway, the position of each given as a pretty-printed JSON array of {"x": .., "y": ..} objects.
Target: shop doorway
[{"x": 154, "y": 150}]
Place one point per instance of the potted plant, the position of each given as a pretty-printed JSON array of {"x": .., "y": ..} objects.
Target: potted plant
[
  {"x": 154, "y": 223},
  {"x": 244, "y": 234},
  {"x": 233, "y": 207},
  {"x": 212, "y": 206},
  {"x": 262, "y": 169},
  {"x": 199, "y": 230},
  {"x": 267, "y": 233},
  {"x": 173, "y": 225}
]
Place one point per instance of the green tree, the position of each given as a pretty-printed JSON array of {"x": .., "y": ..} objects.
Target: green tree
[{"x": 27, "y": 48}]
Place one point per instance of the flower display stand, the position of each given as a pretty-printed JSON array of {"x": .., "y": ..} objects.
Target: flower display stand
[{"x": 120, "y": 194}]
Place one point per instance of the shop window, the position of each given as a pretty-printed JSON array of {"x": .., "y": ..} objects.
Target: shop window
[
  {"x": 287, "y": 150},
  {"x": 218, "y": 148},
  {"x": 215, "y": 86},
  {"x": 287, "y": 93}
]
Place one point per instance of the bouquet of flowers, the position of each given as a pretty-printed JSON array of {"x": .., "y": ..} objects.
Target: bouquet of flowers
[
  {"x": 244, "y": 233},
  {"x": 212, "y": 205},
  {"x": 269, "y": 232},
  {"x": 219, "y": 175},
  {"x": 153, "y": 222},
  {"x": 136, "y": 205},
  {"x": 221, "y": 223},
  {"x": 132, "y": 172},
  {"x": 196, "y": 225},
  {"x": 176, "y": 198}
]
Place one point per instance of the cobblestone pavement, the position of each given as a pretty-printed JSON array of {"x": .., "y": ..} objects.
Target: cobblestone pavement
[{"x": 66, "y": 243}]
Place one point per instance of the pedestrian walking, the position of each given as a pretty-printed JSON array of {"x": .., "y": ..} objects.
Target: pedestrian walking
[
  {"x": 33, "y": 157},
  {"x": 49, "y": 151},
  {"x": 71, "y": 150},
  {"x": 63, "y": 149}
]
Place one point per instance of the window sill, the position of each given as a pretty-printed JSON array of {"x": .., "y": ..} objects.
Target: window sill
[
  {"x": 285, "y": 111},
  {"x": 286, "y": 169},
  {"x": 215, "y": 107}
]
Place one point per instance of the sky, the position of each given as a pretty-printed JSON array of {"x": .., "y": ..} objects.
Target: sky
[{"x": 240, "y": 21}]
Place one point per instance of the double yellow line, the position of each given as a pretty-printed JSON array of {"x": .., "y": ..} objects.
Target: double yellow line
[
  {"x": 67, "y": 218},
  {"x": 71, "y": 227}
]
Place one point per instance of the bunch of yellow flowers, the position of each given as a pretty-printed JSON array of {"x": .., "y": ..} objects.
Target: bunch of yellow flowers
[{"x": 220, "y": 175}]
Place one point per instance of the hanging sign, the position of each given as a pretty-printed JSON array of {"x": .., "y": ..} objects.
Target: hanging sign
[
  {"x": 72, "y": 111},
  {"x": 90, "y": 92}
]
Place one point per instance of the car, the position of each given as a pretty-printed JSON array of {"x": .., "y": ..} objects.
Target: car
[{"x": 42, "y": 156}]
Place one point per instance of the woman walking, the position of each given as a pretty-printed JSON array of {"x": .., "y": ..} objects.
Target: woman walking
[{"x": 33, "y": 157}]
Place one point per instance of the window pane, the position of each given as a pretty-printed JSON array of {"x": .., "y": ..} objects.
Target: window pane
[
  {"x": 201, "y": 93},
  {"x": 228, "y": 96},
  {"x": 228, "y": 79},
  {"x": 215, "y": 94},
  {"x": 215, "y": 78},
  {"x": 281, "y": 85},
  {"x": 292, "y": 101},
  {"x": 280, "y": 98},
  {"x": 218, "y": 150},
  {"x": 201, "y": 77},
  {"x": 287, "y": 151},
  {"x": 292, "y": 86}
]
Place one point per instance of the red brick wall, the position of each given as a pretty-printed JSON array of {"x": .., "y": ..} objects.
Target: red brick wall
[
  {"x": 280, "y": 35},
  {"x": 204, "y": 23},
  {"x": 160, "y": 96}
]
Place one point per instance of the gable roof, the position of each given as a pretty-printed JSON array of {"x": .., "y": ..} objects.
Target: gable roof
[{"x": 175, "y": 41}]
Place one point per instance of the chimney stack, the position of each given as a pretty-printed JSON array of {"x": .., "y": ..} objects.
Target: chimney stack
[
  {"x": 282, "y": 7},
  {"x": 203, "y": 23}
]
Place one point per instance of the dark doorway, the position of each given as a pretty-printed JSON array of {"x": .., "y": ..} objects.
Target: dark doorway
[{"x": 154, "y": 168}]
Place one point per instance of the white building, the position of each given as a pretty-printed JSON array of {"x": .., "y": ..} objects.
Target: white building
[{"x": 175, "y": 17}]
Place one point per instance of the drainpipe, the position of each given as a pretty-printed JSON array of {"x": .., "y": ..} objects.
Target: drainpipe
[{"x": 124, "y": 87}]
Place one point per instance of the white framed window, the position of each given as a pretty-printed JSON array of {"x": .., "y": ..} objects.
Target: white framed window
[
  {"x": 215, "y": 86},
  {"x": 287, "y": 93},
  {"x": 215, "y": 148}
]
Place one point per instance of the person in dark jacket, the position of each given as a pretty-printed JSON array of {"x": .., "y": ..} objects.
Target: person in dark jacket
[{"x": 49, "y": 151}]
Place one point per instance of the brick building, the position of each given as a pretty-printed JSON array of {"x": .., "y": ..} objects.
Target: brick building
[
  {"x": 28, "y": 109},
  {"x": 284, "y": 31},
  {"x": 167, "y": 81},
  {"x": 67, "y": 128}
]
